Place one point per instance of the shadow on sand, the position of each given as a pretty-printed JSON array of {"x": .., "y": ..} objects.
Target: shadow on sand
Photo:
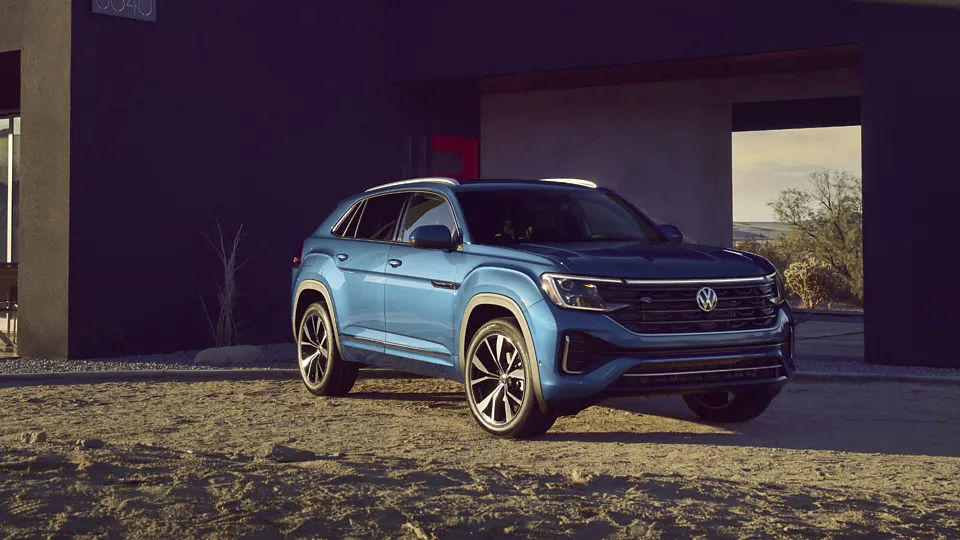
[{"x": 846, "y": 418}]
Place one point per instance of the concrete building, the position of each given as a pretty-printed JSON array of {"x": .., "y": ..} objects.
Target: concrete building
[{"x": 136, "y": 136}]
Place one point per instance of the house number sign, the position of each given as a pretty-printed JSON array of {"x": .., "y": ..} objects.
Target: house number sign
[{"x": 141, "y": 10}]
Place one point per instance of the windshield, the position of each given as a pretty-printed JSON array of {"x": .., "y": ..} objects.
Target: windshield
[{"x": 542, "y": 215}]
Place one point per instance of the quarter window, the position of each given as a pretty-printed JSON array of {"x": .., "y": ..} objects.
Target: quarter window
[
  {"x": 348, "y": 224},
  {"x": 378, "y": 218},
  {"x": 427, "y": 209}
]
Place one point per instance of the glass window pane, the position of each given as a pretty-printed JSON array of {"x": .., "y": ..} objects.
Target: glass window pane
[
  {"x": 427, "y": 209},
  {"x": 379, "y": 218},
  {"x": 347, "y": 220},
  {"x": 15, "y": 194},
  {"x": 6, "y": 131},
  {"x": 552, "y": 215}
]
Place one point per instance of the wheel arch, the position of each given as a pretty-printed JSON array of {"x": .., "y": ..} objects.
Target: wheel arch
[
  {"x": 308, "y": 291},
  {"x": 485, "y": 299}
]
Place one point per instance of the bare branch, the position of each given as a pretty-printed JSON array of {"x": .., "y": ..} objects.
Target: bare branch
[{"x": 225, "y": 330}]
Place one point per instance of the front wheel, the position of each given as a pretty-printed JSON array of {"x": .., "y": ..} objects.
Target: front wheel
[
  {"x": 323, "y": 371},
  {"x": 497, "y": 374},
  {"x": 732, "y": 406}
]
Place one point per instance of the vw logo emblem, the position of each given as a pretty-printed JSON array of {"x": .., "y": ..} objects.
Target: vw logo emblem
[{"x": 706, "y": 299}]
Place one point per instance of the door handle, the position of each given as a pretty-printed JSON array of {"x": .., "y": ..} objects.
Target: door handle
[
  {"x": 342, "y": 256},
  {"x": 394, "y": 262}
]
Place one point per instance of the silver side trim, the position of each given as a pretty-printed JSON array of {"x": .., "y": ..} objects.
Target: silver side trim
[
  {"x": 436, "y": 179},
  {"x": 699, "y": 372},
  {"x": 398, "y": 346},
  {"x": 758, "y": 279}
]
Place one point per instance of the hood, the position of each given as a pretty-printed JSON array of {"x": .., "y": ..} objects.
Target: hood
[{"x": 640, "y": 260}]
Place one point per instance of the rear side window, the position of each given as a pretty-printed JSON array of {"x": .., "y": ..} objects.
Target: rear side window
[
  {"x": 427, "y": 209},
  {"x": 378, "y": 217},
  {"x": 348, "y": 223}
]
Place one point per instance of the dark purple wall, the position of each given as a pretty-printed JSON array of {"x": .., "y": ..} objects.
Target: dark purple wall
[
  {"x": 436, "y": 39},
  {"x": 911, "y": 114},
  {"x": 258, "y": 115},
  {"x": 266, "y": 116}
]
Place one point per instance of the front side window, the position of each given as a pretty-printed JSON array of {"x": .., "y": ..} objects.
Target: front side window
[
  {"x": 427, "y": 209},
  {"x": 552, "y": 215},
  {"x": 378, "y": 217}
]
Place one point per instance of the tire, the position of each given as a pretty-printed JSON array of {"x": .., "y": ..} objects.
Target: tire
[
  {"x": 497, "y": 375},
  {"x": 322, "y": 370},
  {"x": 732, "y": 406}
]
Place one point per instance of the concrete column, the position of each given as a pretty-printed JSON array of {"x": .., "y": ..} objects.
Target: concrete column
[{"x": 41, "y": 31}]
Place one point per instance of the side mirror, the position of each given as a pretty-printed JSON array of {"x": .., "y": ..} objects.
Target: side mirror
[
  {"x": 432, "y": 237},
  {"x": 672, "y": 233}
]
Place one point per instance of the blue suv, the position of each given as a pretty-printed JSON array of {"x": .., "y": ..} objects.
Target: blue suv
[{"x": 542, "y": 297}]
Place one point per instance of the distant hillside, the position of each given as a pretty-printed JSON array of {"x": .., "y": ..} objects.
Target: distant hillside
[{"x": 763, "y": 230}]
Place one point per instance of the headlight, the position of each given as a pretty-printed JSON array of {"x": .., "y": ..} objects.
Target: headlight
[
  {"x": 780, "y": 295},
  {"x": 577, "y": 292}
]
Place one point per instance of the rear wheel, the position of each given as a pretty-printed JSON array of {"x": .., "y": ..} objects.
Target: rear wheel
[
  {"x": 497, "y": 375},
  {"x": 322, "y": 370},
  {"x": 732, "y": 406}
]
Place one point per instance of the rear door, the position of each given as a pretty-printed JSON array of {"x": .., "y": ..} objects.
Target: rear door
[
  {"x": 421, "y": 288},
  {"x": 361, "y": 255}
]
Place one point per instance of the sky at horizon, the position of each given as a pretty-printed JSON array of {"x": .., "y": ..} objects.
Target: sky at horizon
[{"x": 767, "y": 162}]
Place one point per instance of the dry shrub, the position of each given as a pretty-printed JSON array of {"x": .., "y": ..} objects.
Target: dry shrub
[
  {"x": 827, "y": 219},
  {"x": 812, "y": 280}
]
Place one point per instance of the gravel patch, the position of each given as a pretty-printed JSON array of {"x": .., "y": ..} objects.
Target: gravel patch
[
  {"x": 276, "y": 355},
  {"x": 397, "y": 456}
]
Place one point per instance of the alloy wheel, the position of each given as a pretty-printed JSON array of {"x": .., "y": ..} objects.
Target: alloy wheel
[
  {"x": 497, "y": 379},
  {"x": 314, "y": 348}
]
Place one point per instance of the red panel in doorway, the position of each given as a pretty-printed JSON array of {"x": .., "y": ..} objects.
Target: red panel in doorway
[{"x": 456, "y": 157}]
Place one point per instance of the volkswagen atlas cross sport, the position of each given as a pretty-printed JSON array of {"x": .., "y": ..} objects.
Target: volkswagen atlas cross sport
[{"x": 541, "y": 297}]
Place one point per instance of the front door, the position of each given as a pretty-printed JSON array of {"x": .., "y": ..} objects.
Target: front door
[{"x": 421, "y": 290}]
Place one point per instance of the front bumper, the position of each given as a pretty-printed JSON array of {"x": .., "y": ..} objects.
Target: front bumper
[{"x": 646, "y": 364}]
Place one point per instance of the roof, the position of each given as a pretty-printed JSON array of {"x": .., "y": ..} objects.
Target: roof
[{"x": 485, "y": 183}]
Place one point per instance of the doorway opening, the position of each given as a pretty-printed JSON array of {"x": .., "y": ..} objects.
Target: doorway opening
[
  {"x": 10, "y": 130},
  {"x": 797, "y": 201}
]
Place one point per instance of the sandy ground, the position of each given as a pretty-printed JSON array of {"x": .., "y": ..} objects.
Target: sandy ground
[{"x": 402, "y": 458}]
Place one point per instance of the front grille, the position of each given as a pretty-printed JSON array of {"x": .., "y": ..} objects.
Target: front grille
[
  {"x": 659, "y": 374},
  {"x": 673, "y": 309}
]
